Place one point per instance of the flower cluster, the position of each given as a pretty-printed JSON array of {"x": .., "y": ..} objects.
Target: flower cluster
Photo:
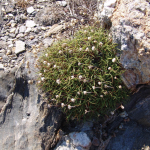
[{"x": 82, "y": 74}]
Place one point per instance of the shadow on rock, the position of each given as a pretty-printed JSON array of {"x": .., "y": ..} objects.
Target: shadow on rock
[
  {"x": 22, "y": 87},
  {"x": 134, "y": 133}
]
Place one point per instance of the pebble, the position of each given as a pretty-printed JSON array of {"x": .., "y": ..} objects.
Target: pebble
[
  {"x": 1, "y": 67},
  {"x": 12, "y": 30},
  {"x": 8, "y": 52},
  {"x": 80, "y": 139},
  {"x": 30, "y": 24},
  {"x": 30, "y": 10},
  {"x": 20, "y": 47},
  {"x": 32, "y": 37},
  {"x": 22, "y": 29},
  {"x": 62, "y": 3}
]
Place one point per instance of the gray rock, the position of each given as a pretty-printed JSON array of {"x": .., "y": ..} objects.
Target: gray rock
[
  {"x": 9, "y": 9},
  {"x": 30, "y": 24},
  {"x": 75, "y": 141},
  {"x": 48, "y": 42},
  {"x": 138, "y": 109},
  {"x": 61, "y": 3},
  {"x": 1, "y": 67},
  {"x": 131, "y": 137},
  {"x": 13, "y": 35},
  {"x": 20, "y": 47},
  {"x": 2, "y": 44},
  {"x": 32, "y": 42},
  {"x": 26, "y": 122},
  {"x": 22, "y": 29},
  {"x": 20, "y": 18},
  {"x": 110, "y": 3},
  {"x": 4, "y": 38}
]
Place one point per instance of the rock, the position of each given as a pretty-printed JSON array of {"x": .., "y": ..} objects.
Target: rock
[
  {"x": 74, "y": 141},
  {"x": 30, "y": 24},
  {"x": 9, "y": 9},
  {"x": 130, "y": 32},
  {"x": 20, "y": 35},
  {"x": 54, "y": 29},
  {"x": 110, "y": 3},
  {"x": 13, "y": 25},
  {"x": 32, "y": 37},
  {"x": 1, "y": 67},
  {"x": 12, "y": 30},
  {"x": 131, "y": 137},
  {"x": 107, "y": 12},
  {"x": 30, "y": 10},
  {"x": 28, "y": 30},
  {"x": 20, "y": 18},
  {"x": 95, "y": 141},
  {"x": 22, "y": 29},
  {"x": 20, "y": 47},
  {"x": 20, "y": 126},
  {"x": 8, "y": 52},
  {"x": 80, "y": 139},
  {"x": 48, "y": 42},
  {"x": 138, "y": 109},
  {"x": 61, "y": 3},
  {"x": 2, "y": 44},
  {"x": 12, "y": 35}
]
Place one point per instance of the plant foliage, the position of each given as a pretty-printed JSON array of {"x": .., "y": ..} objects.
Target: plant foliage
[{"x": 82, "y": 74}]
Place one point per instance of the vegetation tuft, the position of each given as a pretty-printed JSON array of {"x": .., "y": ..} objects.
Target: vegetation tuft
[{"x": 82, "y": 74}]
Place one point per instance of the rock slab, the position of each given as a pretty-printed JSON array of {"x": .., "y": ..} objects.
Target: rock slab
[{"x": 20, "y": 47}]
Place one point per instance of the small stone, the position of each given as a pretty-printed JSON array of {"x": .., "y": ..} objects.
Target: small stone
[
  {"x": 8, "y": 52},
  {"x": 110, "y": 3},
  {"x": 31, "y": 37},
  {"x": 20, "y": 35},
  {"x": 95, "y": 141},
  {"x": 13, "y": 25},
  {"x": 22, "y": 29},
  {"x": 80, "y": 139},
  {"x": 13, "y": 49},
  {"x": 48, "y": 41},
  {"x": 30, "y": 10},
  {"x": 12, "y": 30},
  {"x": 20, "y": 47},
  {"x": 30, "y": 24},
  {"x": 62, "y": 3},
  {"x": 10, "y": 15},
  {"x": 1, "y": 67},
  {"x": 28, "y": 30}
]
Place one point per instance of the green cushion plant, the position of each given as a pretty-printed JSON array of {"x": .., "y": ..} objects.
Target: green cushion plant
[{"x": 82, "y": 74}]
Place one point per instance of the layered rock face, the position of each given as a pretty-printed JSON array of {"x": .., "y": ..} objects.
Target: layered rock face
[{"x": 130, "y": 28}]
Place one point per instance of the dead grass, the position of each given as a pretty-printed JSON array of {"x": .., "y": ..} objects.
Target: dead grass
[{"x": 23, "y": 3}]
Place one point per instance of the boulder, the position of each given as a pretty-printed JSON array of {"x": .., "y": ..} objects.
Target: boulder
[
  {"x": 26, "y": 121},
  {"x": 129, "y": 25}
]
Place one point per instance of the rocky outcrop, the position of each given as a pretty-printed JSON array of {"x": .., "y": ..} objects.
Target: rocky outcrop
[
  {"x": 26, "y": 121},
  {"x": 129, "y": 22}
]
